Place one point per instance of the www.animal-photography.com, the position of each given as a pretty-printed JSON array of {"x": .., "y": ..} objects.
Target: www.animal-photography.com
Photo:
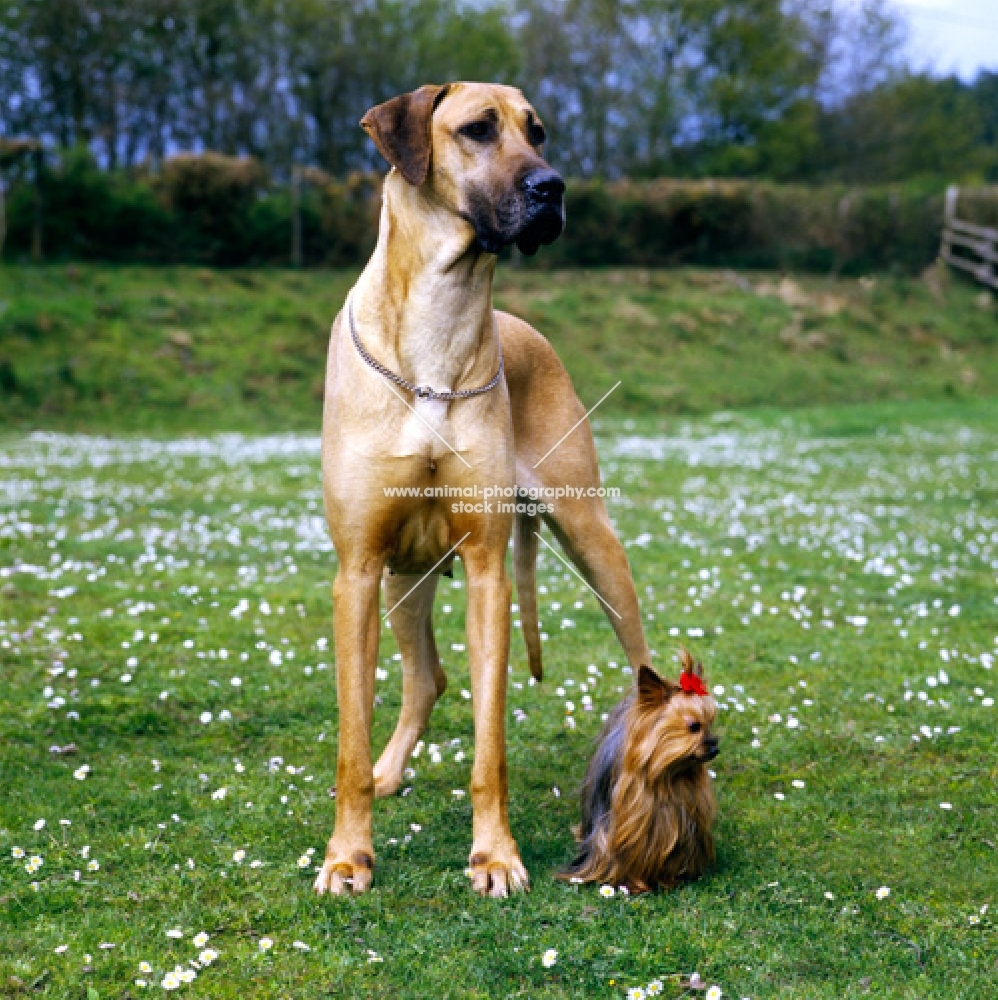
[{"x": 499, "y": 499}]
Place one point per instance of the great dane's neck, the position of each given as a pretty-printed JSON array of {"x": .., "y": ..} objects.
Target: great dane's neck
[{"x": 423, "y": 304}]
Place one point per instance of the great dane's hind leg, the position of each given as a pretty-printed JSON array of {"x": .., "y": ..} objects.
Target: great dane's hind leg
[
  {"x": 423, "y": 682},
  {"x": 349, "y": 863},
  {"x": 495, "y": 860},
  {"x": 583, "y": 528}
]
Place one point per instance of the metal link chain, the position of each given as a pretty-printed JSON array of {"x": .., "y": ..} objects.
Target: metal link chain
[{"x": 420, "y": 391}]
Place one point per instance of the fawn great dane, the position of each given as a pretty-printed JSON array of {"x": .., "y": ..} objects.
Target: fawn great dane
[{"x": 431, "y": 390}]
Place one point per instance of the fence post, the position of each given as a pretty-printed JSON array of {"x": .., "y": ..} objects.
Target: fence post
[
  {"x": 296, "y": 250},
  {"x": 952, "y": 194},
  {"x": 36, "y": 232}
]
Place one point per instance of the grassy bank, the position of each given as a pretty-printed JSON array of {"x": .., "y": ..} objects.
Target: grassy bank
[
  {"x": 834, "y": 568},
  {"x": 176, "y": 349}
]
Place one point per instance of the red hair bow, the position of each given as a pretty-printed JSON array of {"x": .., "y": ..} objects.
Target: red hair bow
[{"x": 692, "y": 684}]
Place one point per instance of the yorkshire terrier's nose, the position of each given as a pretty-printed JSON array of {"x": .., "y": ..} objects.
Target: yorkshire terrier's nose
[{"x": 712, "y": 746}]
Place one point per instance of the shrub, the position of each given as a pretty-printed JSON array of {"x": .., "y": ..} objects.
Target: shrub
[
  {"x": 222, "y": 210},
  {"x": 750, "y": 224},
  {"x": 90, "y": 214},
  {"x": 213, "y": 198}
]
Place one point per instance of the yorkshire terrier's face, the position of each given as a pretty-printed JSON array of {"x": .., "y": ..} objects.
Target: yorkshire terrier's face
[{"x": 676, "y": 721}]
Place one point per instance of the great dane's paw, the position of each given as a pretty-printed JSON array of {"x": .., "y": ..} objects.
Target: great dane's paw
[
  {"x": 340, "y": 877},
  {"x": 498, "y": 872}
]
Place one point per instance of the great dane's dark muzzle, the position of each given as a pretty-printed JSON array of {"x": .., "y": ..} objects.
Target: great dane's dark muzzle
[{"x": 544, "y": 209}]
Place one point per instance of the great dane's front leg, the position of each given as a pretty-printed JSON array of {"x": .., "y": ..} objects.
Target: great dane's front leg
[
  {"x": 349, "y": 863},
  {"x": 410, "y": 604},
  {"x": 495, "y": 861}
]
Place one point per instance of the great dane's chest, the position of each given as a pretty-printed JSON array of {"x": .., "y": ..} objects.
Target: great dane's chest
[
  {"x": 414, "y": 480},
  {"x": 431, "y": 429}
]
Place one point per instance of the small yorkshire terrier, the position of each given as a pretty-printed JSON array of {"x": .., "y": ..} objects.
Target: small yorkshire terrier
[{"x": 647, "y": 800}]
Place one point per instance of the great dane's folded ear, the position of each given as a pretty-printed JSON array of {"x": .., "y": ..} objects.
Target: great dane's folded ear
[{"x": 400, "y": 129}]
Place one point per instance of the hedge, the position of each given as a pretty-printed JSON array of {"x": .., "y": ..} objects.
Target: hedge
[{"x": 213, "y": 209}]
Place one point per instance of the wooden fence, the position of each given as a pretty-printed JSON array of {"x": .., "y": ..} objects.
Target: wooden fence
[{"x": 969, "y": 247}]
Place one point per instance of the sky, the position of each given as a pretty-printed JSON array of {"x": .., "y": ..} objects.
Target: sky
[{"x": 952, "y": 36}]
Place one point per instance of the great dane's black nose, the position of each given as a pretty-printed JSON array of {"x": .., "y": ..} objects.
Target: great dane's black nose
[{"x": 544, "y": 186}]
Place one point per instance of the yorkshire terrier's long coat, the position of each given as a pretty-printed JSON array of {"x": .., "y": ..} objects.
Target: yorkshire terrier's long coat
[{"x": 647, "y": 801}]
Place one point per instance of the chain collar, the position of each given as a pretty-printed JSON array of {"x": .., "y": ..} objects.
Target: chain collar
[{"x": 420, "y": 391}]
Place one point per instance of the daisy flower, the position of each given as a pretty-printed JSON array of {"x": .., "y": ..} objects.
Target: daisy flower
[
  {"x": 175, "y": 932},
  {"x": 17, "y": 852},
  {"x": 265, "y": 943},
  {"x": 636, "y": 993},
  {"x": 714, "y": 993},
  {"x": 145, "y": 967},
  {"x": 199, "y": 940},
  {"x": 239, "y": 856},
  {"x": 883, "y": 892},
  {"x": 549, "y": 958},
  {"x": 654, "y": 988},
  {"x": 171, "y": 981},
  {"x": 606, "y": 891}
]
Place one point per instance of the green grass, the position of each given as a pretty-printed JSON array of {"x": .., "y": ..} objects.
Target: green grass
[
  {"x": 883, "y": 512},
  {"x": 169, "y": 349},
  {"x": 846, "y": 548}
]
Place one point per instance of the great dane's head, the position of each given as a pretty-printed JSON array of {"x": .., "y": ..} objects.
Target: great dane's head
[{"x": 476, "y": 150}]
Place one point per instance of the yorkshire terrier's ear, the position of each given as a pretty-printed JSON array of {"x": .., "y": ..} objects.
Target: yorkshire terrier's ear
[
  {"x": 688, "y": 664},
  {"x": 653, "y": 689}
]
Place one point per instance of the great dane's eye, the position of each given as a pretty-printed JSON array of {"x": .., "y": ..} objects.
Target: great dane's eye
[{"x": 479, "y": 131}]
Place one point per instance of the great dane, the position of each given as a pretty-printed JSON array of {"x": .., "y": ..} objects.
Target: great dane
[{"x": 430, "y": 390}]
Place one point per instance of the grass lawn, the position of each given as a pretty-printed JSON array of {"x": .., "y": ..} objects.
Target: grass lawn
[
  {"x": 171, "y": 349},
  {"x": 169, "y": 723}
]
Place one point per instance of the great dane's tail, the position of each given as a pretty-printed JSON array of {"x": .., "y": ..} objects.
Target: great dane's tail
[{"x": 525, "y": 573}]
